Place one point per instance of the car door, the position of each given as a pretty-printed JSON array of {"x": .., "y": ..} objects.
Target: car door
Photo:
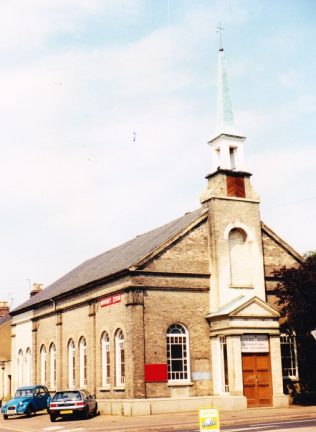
[
  {"x": 41, "y": 398},
  {"x": 36, "y": 399},
  {"x": 88, "y": 400}
]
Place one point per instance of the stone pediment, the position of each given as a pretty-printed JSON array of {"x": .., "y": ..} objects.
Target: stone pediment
[
  {"x": 244, "y": 315},
  {"x": 255, "y": 307},
  {"x": 247, "y": 308}
]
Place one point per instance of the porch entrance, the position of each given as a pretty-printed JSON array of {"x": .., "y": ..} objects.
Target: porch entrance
[{"x": 257, "y": 381}]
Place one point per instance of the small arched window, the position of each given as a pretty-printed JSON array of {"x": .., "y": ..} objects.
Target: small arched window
[
  {"x": 178, "y": 353},
  {"x": 43, "y": 363},
  {"x": 105, "y": 359},
  {"x": 71, "y": 364},
  {"x": 53, "y": 365},
  {"x": 119, "y": 359},
  {"x": 83, "y": 362},
  {"x": 240, "y": 260},
  {"x": 28, "y": 367},
  {"x": 20, "y": 368}
]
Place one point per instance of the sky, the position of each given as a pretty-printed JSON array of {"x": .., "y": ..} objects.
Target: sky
[{"x": 106, "y": 108}]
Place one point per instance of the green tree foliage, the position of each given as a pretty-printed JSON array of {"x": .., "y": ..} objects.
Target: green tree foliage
[{"x": 297, "y": 299}]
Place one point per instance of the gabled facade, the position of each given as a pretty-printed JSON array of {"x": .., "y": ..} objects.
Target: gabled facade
[{"x": 179, "y": 317}]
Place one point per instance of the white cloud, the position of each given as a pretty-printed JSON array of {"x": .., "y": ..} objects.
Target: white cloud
[
  {"x": 289, "y": 79},
  {"x": 27, "y": 25},
  {"x": 73, "y": 181}
]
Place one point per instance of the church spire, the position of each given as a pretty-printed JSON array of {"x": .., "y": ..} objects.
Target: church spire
[
  {"x": 225, "y": 116},
  {"x": 227, "y": 140}
]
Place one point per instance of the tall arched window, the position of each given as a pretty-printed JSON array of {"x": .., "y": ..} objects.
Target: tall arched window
[
  {"x": 289, "y": 355},
  {"x": 28, "y": 364},
  {"x": 240, "y": 259},
  {"x": 105, "y": 359},
  {"x": 43, "y": 362},
  {"x": 53, "y": 366},
  {"x": 71, "y": 363},
  {"x": 83, "y": 362},
  {"x": 178, "y": 353},
  {"x": 119, "y": 359},
  {"x": 20, "y": 368}
]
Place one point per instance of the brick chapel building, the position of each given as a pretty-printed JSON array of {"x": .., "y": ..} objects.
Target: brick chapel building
[{"x": 181, "y": 317}]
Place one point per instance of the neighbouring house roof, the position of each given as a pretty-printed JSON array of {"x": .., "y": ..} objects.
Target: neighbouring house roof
[
  {"x": 5, "y": 319},
  {"x": 113, "y": 261}
]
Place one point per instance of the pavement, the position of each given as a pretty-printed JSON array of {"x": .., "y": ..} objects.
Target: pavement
[{"x": 189, "y": 420}]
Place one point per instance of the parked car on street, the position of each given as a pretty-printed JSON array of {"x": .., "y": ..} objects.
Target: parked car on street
[
  {"x": 27, "y": 400},
  {"x": 72, "y": 403}
]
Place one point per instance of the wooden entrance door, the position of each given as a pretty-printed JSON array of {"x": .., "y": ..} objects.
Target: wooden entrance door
[{"x": 257, "y": 379}]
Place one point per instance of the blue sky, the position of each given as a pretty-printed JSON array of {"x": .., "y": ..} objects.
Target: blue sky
[{"x": 79, "y": 79}]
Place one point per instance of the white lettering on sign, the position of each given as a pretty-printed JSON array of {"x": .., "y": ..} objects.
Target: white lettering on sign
[
  {"x": 108, "y": 301},
  {"x": 254, "y": 344}
]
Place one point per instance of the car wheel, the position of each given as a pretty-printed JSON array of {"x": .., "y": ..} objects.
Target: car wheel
[
  {"x": 5, "y": 416},
  {"x": 28, "y": 411},
  {"x": 86, "y": 413},
  {"x": 52, "y": 417}
]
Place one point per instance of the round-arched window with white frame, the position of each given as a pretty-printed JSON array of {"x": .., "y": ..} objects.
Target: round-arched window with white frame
[{"x": 178, "y": 358}]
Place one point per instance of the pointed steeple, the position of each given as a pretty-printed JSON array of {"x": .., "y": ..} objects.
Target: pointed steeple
[
  {"x": 227, "y": 142},
  {"x": 225, "y": 117}
]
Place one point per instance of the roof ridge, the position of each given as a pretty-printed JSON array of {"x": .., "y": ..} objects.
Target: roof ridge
[{"x": 112, "y": 261}]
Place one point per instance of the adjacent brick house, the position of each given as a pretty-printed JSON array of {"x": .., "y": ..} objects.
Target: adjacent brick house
[
  {"x": 177, "y": 318},
  {"x": 5, "y": 350}
]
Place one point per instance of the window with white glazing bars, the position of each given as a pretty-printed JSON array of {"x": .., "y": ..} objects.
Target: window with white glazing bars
[
  {"x": 178, "y": 353},
  {"x": 83, "y": 362},
  {"x": 105, "y": 359},
  {"x": 289, "y": 356},
  {"x": 224, "y": 364},
  {"x": 43, "y": 364},
  {"x": 71, "y": 363},
  {"x": 53, "y": 365},
  {"x": 119, "y": 359}
]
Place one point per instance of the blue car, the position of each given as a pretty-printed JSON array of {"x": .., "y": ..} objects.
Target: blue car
[{"x": 27, "y": 400}]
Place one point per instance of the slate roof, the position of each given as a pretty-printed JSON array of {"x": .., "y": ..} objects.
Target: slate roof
[
  {"x": 5, "y": 319},
  {"x": 113, "y": 261}
]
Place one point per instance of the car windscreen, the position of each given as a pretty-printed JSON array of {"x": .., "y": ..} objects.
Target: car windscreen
[
  {"x": 67, "y": 395},
  {"x": 24, "y": 393}
]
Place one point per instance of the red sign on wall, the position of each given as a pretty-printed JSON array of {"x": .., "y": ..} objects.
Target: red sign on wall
[
  {"x": 108, "y": 301},
  {"x": 156, "y": 373}
]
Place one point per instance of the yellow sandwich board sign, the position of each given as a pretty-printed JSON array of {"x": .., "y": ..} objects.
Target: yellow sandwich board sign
[{"x": 209, "y": 420}]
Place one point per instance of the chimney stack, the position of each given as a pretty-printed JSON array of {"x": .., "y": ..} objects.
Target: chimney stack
[
  {"x": 36, "y": 289},
  {"x": 4, "y": 308}
]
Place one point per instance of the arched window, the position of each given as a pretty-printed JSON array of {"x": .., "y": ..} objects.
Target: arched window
[
  {"x": 178, "y": 353},
  {"x": 289, "y": 355},
  {"x": 105, "y": 359},
  {"x": 71, "y": 363},
  {"x": 240, "y": 262},
  {"x": 119, "y": 359},
  {"x": 28, "y": 367},
  {"x": 53, "y": 365},
  {"x": 43, "y": 362},
  {"x": 83, "y": 362},
  {"x": 20, "y": 368}
]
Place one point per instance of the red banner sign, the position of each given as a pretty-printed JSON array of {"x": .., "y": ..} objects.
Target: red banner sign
[
  {"x": 108, "y": 301},
  {"x": 156, "y": 373}
]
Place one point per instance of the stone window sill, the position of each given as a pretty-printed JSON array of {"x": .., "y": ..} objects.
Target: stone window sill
[
  {"x": 119, "y": 389},
  {"x": 104, "y": 389},
  {"x": 241, "y": 286},
  {"x": 180, "y": 384}
]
